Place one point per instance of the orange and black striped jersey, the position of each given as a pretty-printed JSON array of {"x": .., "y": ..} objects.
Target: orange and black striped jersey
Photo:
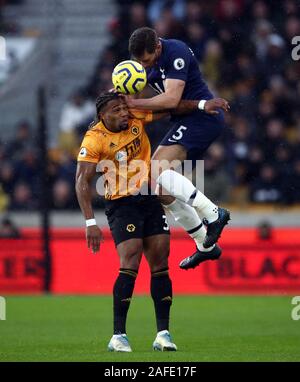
[{"x": 123, "y": 157}]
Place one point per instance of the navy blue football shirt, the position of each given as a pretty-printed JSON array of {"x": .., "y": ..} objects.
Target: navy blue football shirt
[{"x": 177, "y": 61}]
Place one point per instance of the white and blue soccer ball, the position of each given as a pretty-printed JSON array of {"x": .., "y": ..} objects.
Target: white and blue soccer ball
[{"x": 129, "y": 77}]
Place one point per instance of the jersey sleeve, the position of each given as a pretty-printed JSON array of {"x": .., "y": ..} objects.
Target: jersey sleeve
[
  {"x": 178, "y": 62},
  {"x": 89, "y": 149},
  {"x": 146, "y": 116}
]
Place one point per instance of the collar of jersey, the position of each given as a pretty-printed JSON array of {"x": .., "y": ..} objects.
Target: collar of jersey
[
  {"x": 159, "y": 61},
  {"x": 103, "y": 128}
]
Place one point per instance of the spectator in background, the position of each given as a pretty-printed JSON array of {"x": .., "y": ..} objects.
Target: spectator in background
[
  {"x": 284, "y": 100},
  {"x": 241, "y": 140},
  {"x": 22, "y": 140},
  {"x": 212, "y": 62},
  {"x": 260, "y": 38},
  {"x": 196, "y": 39},
  {"x": 273, "y": 138},
  {"x": 156, "y": 8},
  {"x": 168, "y": 26},
  {"x": 291, "y": 8},
  {"x": 63, "y": 196},
  {"x": 266, "y": 108},
  {"x": 260, "y": 10},
  {"x": 255, "y": 161},
  {"x": 77, "y": 113},
  {"x": 22, "y": 198},
  {"x": 4, "y": 200},
  {"x": 292, "y": 27},
  {"x": 27, "y": 170},
  {"x": 229, "y": 11},
  {"x": 7, "y": 177},
  {"x": 8, "y": 229},
  {"x": 244, "y": 101},
  {"x": 266, "y": 188},
  {"x": 217, "y": 182}
]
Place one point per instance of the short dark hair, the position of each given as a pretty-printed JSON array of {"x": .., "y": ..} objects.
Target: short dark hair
[
  {"x": 103, "y": 99},
  {"x": 141, "y": 40}
]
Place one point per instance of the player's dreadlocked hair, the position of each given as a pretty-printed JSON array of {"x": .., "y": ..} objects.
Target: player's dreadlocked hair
[
  {"x": 103, "y": 99},
  {"x": 141, "y": 40}
]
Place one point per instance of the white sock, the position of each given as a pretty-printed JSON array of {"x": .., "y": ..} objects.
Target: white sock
[
  {"x": 183, "y": 189},
  {"x": 208, "y": 209},
  {"x": 190, "y": 221},
  {"x": 176, "y": 185}
]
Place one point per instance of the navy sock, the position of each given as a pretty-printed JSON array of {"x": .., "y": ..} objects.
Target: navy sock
[
  {"x": 122, "y": 292},
  {"x": 161, "y": 292}
]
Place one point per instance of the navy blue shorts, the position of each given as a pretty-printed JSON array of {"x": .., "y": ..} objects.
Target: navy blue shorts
[{"x": 195, "y": 132}]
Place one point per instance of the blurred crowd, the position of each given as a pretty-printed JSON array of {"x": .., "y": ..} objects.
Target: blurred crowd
[
  {"x": 244, "y": 51},
  {"x": 10, "y": 27}
]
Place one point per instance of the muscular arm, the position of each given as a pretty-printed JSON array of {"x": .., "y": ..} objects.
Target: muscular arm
[
  {"x": 184, "y": 107},
  {"x": 188, "y": 106},
  {"x": 167, "y": 100},
  {"x": 84, "y": 176}
]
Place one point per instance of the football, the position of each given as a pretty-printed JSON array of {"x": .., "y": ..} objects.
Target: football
[{"x": 129, "y": 77}]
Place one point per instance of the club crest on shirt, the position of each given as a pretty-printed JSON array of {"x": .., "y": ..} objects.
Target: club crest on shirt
[
  {"x": 179, "y": 63},
  {"x": 130, "y": 227},
  {"x": 121, "y": 156},
  {"x": 163, "y": 76},
  {"x": 83, "y": 152},
  {"x": 135, "y": 130}
]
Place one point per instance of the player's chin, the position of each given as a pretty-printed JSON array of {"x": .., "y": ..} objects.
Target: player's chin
[{"x": 124, "y": 126}]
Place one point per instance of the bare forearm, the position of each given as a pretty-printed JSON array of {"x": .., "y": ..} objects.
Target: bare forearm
[
  {"x": 185, "y": 107},
  {"x": 83, "y": 193},
  {"x": 160, "y": 102}
]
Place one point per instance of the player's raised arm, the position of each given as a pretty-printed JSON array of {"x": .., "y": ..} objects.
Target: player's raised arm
[
  {"x": 187, "y": 106},
  {"x": 210, "y": 106},
  {"x": 167, "y": 100},
  {"x": 84, "y": 176}
]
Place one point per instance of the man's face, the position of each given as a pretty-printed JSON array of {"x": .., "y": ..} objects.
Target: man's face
[
  {"x": 148, "y": 60},
  {"x": 115, "y": 115}
]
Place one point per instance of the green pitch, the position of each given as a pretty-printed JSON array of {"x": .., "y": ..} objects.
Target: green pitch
[{"x": 204, "y": 329}]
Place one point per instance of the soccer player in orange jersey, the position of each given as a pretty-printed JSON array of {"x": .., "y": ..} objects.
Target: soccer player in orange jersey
[{"x": 138, "y": 223}]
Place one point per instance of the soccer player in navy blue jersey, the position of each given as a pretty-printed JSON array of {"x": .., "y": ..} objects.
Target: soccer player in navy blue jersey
[{"x": 173, "y": 72}]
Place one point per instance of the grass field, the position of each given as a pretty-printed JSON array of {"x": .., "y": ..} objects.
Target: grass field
[{"x": 205, "y": 328}]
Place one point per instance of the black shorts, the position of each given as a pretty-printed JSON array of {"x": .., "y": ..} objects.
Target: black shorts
[{"x": 136, "y": 217}]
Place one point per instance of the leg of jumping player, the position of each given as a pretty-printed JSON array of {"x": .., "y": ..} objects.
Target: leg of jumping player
[{"x": 183, "y": 212}]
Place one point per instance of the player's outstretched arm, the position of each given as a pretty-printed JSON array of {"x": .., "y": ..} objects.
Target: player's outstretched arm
[
  {"x": 187, "y": 106},
  {"x": 210, "y": 106},
  {"x": 84, "y": 176}
]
